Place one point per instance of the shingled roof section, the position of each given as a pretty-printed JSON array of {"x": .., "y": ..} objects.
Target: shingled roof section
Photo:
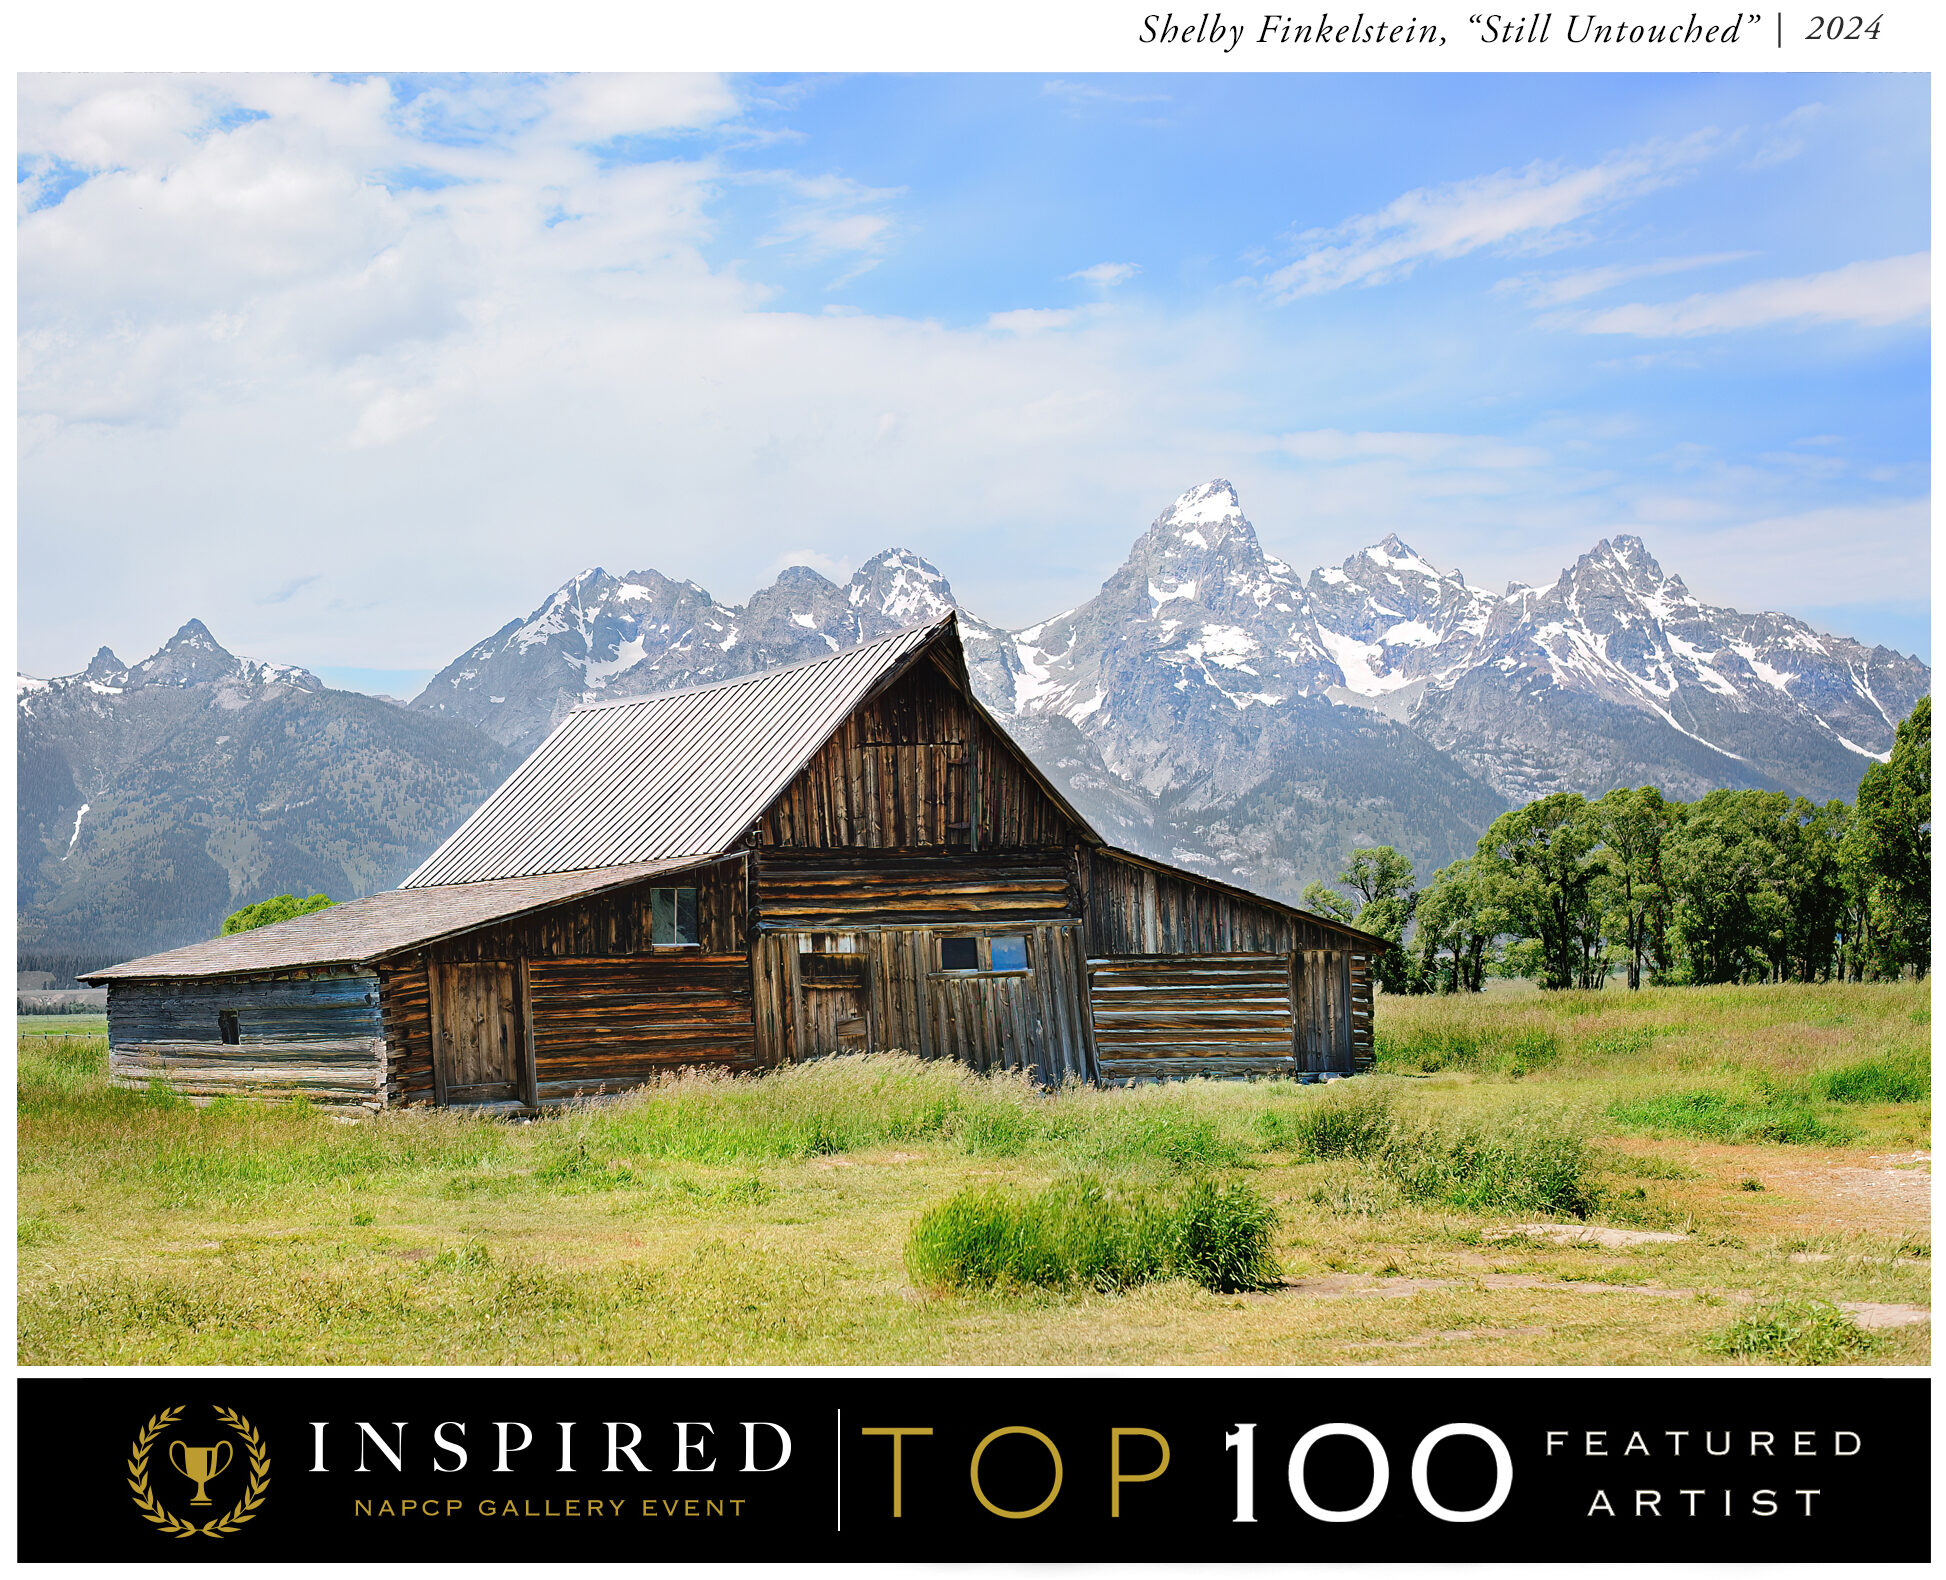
[
  {"x": 679, "y": 773},
  {"x": 361, "y": 931}
]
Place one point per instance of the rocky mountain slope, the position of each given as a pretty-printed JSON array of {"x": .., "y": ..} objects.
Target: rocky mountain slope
[{"x": 155, "y": 798}]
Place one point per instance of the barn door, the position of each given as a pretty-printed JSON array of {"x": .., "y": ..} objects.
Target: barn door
[
  {"x": 837, "y": 1005},
  {"x": 1324, "y": 1011},
  {"x": 478, "y": 1038}
]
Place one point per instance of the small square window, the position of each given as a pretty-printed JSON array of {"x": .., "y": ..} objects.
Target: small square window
[
  {"x": 959, "y": 954},
  {"x": 1009, "y": 954},
  {"x": 226, "y": 1026},
  {"x": 672, "y": 916}
]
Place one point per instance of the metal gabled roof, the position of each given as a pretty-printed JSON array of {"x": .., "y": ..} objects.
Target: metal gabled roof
[
  {"x": 358, "y": 932},
  {"x": 676, "y": 774}
]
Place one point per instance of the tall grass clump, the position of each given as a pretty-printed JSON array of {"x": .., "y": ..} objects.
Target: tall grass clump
[
  {"x": 1806, "y": 1332},
  {"x": 1715, "y": 1115},
  {"x": 1903, "y": 1077},
  {"x": 826, "y": 1106},
  {"x": 1084, "y": 1234},
  {"x": 1485, "y": 1050},
  {"x": 1154, "y": 1126},
  {"x": 1522, "y": 1159}
]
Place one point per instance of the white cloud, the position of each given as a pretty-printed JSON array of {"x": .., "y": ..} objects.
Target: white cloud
[
  {"x": 1092, "y": 93},
  {"x": 1874, "y": 294},
  {"x": 1105, "y": 275},
  {"x": 1509, "y": 207},
  {"x": 1475, "y": 451},
  {"x": 1786, "y": 560},
  {"x": 439, "y": 354},
  {"x": 1555, "y": 290},
  {"x": 1032, "y": 320}
]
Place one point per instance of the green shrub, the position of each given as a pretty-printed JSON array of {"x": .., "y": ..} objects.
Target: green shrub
[
  {"x": 1222, "y": 1238},
  {"x": 1807, "y": 1332},
  {"x": 1346, "y": 1119},
  {"x": 1904, "y": 1077},
  {"x": 1083, "y": 1233},
  {"x": 1730, "y": 1116},
  {"x": 278, "y": 908}
]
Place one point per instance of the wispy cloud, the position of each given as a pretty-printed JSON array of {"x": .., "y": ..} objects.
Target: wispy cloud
[
  {"x": 1875, "y": 294},
  {"x": 1079, "y": 93},
  {"x": 1413, "y": 448},
  {"x": 833, "y": 215},
  {"x": 288, "y": 591},
  {"x": 1787, "y": 139},
  {"x": 1527, "y": 208},
  {"x": 1555, "y": 290},
  {"x": 1105, "y": 275}
]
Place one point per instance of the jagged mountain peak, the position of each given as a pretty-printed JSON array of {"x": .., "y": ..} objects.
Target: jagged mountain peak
[
  {"x": 191, "y": 657},
  {"x": 105, "y": 667},
  {"x": 1393, "y": 553},
  {"x": 1205, "y": 520},
  {"x": 1208, "y": 504},
  {"x": 802, "y": 576},
  {"x": 903, "y": 586}
]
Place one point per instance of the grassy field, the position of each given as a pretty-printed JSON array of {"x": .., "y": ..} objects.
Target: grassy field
[{"x": 1676, "y": 1176}]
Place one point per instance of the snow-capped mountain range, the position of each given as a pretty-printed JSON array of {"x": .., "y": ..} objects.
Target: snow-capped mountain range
[
  {"x": 1209, "y": 705},
  {"x": 1615, "y": 674}
]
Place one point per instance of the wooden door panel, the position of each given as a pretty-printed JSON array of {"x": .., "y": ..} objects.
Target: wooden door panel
[{"x": 478, "y": 1042}]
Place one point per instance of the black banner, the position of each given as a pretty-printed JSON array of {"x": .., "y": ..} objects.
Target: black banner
[{"x": 1163, "y": 1467}]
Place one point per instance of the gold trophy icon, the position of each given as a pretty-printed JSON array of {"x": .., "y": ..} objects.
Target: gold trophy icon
[{"x": 201, "y": 1465}]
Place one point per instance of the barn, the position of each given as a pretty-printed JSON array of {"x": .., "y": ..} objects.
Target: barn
[{"x": 847, "y": 854}]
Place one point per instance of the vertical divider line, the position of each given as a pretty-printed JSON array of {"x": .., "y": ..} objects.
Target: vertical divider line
[{"x": 841, "y": 1471}]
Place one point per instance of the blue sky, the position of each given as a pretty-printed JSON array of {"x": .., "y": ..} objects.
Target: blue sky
[{"x": 356, "y": 369}]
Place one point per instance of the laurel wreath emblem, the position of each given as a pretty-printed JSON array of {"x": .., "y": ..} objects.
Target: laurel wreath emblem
[{"x": 175, "y": 1524}]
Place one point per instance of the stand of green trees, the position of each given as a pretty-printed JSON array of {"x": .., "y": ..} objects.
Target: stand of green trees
[{"x": 1740, "y": 886}]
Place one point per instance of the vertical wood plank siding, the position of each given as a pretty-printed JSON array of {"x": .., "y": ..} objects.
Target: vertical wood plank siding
[
  {"x": 896, "y": 776},
  {"x": 317, "y": 1035}
]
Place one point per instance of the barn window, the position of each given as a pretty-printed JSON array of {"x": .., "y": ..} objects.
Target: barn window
[
  {"x": 226, "y": 1026},
  {"x": 959, "y": 954},
  {"x": 1008, "y": 954},
  {"x": 827, "y": 944},
  {"x": 672, "y": 916}
]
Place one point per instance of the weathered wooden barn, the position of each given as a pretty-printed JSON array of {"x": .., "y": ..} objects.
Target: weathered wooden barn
[{"x": 845, "y": 854}]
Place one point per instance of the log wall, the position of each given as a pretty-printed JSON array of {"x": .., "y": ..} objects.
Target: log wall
[
  {"x": 842, "y": 889},
  {"x": 315, "y": 1034},
  {"x": 1137, "y": 913},
  {"x": 606, "y": 1025},
  {"x": 1214, "y": 1014},
  {"x": 614, "y": 923},
  {"x": 606, "y": 1007}
]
